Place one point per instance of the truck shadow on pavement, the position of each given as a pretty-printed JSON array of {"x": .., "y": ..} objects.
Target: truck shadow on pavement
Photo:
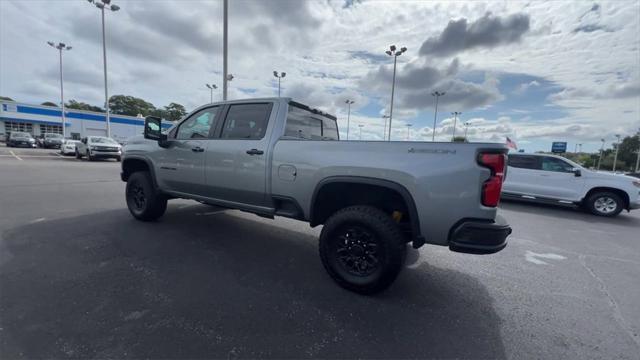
[{"x": 219, "y": 285}]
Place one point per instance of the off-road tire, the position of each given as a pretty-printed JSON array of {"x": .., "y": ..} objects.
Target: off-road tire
[
  {"x": 604, "y": 203},
  {"x": 154, "y": 204},
  {"x": 390, "y": 248}
]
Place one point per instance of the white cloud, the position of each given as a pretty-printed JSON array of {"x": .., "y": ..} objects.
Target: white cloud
[{"x": 167, "y": 51}]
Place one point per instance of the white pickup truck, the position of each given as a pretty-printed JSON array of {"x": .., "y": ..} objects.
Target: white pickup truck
[
  {"x": 277, "y": 157},
  {"x": 555, "y": 180}
]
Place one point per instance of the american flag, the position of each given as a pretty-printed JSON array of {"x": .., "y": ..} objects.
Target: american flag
[{"x": 511, "y": 144}]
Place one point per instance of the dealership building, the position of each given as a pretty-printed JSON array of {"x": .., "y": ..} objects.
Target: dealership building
[{"x": 38, "y": 119}]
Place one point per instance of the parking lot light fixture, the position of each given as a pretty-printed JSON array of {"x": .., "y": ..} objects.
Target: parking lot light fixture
[
  {"x": 348, "y": 102},
  {"x": 60, "y": 47},
  {"x": 280, "y": 77},
  {"x": 211, "y": 88},
  {"x": 360, "y": 126},
  {"x": 466, "y": 127},
  {"x": 437, "y": 95},
  {"x": 392, "y": 52},
  {"x": 384, "y": 132},
  {"x": 102, "y": 5},
  {"x": 455, "y": 123},
  {"x": 615, "y": 158},
  {"x": 409, "y": 132}
]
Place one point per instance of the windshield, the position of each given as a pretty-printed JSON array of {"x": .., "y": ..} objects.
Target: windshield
[{"x": 102, "y": 140}]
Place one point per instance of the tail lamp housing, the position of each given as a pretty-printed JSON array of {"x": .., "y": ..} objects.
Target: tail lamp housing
[{"x": 496, "y": 162}]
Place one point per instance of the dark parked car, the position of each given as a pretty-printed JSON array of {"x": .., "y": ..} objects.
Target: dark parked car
[
  {"x": 634, "y": 174},
  {"x": 18, "y": 138},
  {"x": 50, "y": 140}
]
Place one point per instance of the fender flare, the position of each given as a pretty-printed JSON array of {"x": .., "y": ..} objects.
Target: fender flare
[
  {"x": 406, "y": 196},
  {"x": 152, "y": 170}
]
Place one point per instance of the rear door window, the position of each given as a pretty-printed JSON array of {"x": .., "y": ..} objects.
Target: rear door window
[
  {"x": 524, "y": 162},
  {"x": 246, "y": 121}
]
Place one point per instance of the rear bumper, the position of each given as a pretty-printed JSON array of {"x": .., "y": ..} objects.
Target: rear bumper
[{"x": 479, "y": 237}]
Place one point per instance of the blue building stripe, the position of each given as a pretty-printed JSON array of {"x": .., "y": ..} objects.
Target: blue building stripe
[
  {"x": 81, "y": 116},
  {"x": 32, "y": 121}
]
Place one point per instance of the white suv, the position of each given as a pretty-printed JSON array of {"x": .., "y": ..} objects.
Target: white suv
[
  {"x": 94, "y": 147},
  {"x": 555, "y": 180}
]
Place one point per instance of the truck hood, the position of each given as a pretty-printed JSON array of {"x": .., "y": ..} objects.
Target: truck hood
[{"x": 610, "y": 176}]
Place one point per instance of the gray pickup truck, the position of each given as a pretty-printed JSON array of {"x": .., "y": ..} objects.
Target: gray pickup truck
[{"x": 276, "y": 157}]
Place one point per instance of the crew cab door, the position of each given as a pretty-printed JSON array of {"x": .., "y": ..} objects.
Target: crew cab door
[
  {"x": 181, "y": 164},
  {"x": 558, "y": 181},
  {"x": 236, "y": 160}
]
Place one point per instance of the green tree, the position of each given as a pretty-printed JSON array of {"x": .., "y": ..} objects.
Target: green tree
[
  {"x": 628, "y": 152},
  {"x": 49, "y": 103},
  {"x": 459, "y": 139},
  {"x": 129, "y": 105},
  {"x": 77, "y": 105},
  {"x": 174, "y": 111},
  {"x": 6, "y": 98}
]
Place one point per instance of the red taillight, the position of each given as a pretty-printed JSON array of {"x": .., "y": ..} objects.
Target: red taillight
[{"x": 492, "y": 187}]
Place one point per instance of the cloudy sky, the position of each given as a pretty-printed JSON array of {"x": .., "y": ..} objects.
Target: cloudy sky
[{"x": 534, "y": 71}]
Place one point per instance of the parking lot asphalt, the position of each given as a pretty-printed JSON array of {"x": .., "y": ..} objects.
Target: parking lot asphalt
[{"x": 80, "y": 278}]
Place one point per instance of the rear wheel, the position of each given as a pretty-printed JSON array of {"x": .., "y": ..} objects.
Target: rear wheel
[
  {"x": 143, "y": 200},
  {"x": 78, "y": 156},
  {"x": 605, "y": 204},
  {"x": 89, "y": 157},
  {"x": 362, "y": 249}
]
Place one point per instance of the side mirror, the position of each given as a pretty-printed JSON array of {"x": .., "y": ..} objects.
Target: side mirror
[
  {"x": 577, "y": 172},
  {"x": 153, "y": 128}
]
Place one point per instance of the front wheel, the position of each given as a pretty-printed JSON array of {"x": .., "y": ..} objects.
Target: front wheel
[
  {"x": 89, "y": 157},
  {"x": 78, "y": 156},
  {"x": 605, "y": 204},
  {"x": 362, "y": 249},
  {"x": 143, "y": 201}
]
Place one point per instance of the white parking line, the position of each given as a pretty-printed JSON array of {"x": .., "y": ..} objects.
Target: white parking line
[{"x": 14, "y": 154}]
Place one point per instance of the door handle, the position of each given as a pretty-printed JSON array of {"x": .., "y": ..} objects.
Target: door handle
[
  {"x": 197, "y": 149},
  {"x": 255, "y": 152}
]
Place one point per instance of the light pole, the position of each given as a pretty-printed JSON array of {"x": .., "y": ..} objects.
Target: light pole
[
  {"x": 348, "y": 102},
  {"x": 280, "y": 77},
  {"x": 360, "y": 126},
  {"x": 105, "y": 4},
  {"x": 225, "y": 13},
  {"x": 575, "y": 149},
  {"x": 455, "y": 123},
  {"x": 228, "y": 78},
  {"x": 466, "y": 127},
  {"x": 211, "y": 87},
  {"x": 409, "y": 131},
  {"x": 437, "y": 94},
  {"x": 60, "y": 47},
  {"x": 384, "y": 132},
  {"x": 638, "y": 157},
  {"x": 601, "y": 151},
  {"x": 392, "y": 52},
  {"x": 579, "y": 148},
  {"x": 615, "y": 158}
]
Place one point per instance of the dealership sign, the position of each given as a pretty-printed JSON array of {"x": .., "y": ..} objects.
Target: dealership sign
[{"x": 558, "y": 147}]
